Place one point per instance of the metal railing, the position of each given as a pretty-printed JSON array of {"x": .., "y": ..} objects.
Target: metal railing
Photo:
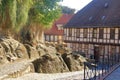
[{"x": 95, "y": 69}]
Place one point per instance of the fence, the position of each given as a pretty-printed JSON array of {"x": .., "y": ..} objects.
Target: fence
[{"x": 94, "y": 70}]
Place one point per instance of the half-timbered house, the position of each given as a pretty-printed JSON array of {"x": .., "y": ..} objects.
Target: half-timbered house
[
  {"x": 55, "y": 34},
  {"x": 95, "y": 30}
]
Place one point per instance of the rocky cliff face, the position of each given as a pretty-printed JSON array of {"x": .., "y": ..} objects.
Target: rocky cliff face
[
  {"x": 45, "y": 57},
  {"x": 56, "y": 58},
  {"x": 11, "y": 50}
]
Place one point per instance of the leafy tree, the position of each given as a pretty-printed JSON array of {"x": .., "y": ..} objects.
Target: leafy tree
[
  {"x": 14, "y": 13},
  {"x": 41, "y": 16},
  {"x": 67, "y": 10},
  {"x": 37, "y": 15},
  {"x": 44, "y": 12}
]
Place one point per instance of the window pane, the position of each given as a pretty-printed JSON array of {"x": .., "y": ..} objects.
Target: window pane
[
  {"x": 55, "y": 38},
  {"x": 85, "y": 32},
  {"x": 94, "y": 33},
  {"x": 47, "y": 37},
  {"x": 70, "y": 32},
  {"x": 60, "y": 26},
  {"x": 112, "y": 33},
  {"x": 101, "y": 33},
  {"x": 119, "y": 34},
  {"x": 52, "y": 38},
  {"x": 78, "y": 33}
]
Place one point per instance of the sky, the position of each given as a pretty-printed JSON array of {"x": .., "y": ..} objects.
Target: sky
[{"x": 76, "y": 4}]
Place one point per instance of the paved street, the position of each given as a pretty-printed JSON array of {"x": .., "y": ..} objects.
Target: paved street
[{"x": 115, "y": 75}]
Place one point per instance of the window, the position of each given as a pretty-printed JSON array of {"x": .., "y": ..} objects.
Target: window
[
  {"x": 112, "y": 33},
  {"x": 52, "y": 38},
  {"x": 94, "y": 33},
  {"x": 80, "y": 46},
  {"x": 78, "y": 33},
  {"x": 85, "y": 32},
  {"x": 60, "y": 26},
  {"x": 85, "y": 46},
  {"x": 101, "y": 32},
  {"x": 119, "y": 34},
  {"x": 56, "y": 38},
  {"x": 46, "y": 37},
  {"x": 106, "y": 5},
  {"x": 70, "y": 32}
]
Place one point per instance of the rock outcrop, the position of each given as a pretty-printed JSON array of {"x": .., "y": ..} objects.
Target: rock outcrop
[
  {"x": 32, "y": 52},
  {"x": 50, "y": 61},
  {"x": 57, "y": 58},
  {"x": 11, "y": 50},
  {"x": 74, "y": 61},
  {"x": 47, "y": 64},
  {"x": 46, "y": 57}
]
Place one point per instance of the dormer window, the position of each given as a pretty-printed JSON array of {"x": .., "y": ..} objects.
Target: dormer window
[
  {"x": 59, "y": 26},
  {"x": 90, "y": 18},
  {"x": 106, "y": 5},
  {"x": 103, "y": 17}
]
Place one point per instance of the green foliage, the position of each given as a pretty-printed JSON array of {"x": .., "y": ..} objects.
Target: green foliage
[
  {"x": 7, "y": 13},
  {"x": 23, "y": 7},
  {"x": 44, "y": 12},
  {"x": 14, "y": 13}
]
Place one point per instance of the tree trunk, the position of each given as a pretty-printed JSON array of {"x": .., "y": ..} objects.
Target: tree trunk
[{"x": 32, "y": 35}]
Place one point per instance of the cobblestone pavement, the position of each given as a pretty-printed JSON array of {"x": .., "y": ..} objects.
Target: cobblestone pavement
[{"x": 115, "y": 75}]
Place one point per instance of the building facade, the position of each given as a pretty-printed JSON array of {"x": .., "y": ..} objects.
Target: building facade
[
  {"x": 55, "y": 34},
  {"x": 93, "y": 31}
]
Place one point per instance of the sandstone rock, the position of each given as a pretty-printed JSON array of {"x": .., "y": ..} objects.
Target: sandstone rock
[
  {"x": 43, "y": 49},
  {"x": 21, "y": 51},
  {"x": 13, "y": 49},
  {"x": 63, "y": 49},
  {"x": 50, "y": 44},
  {"x": 48, "y": 64},
  {"x": 47, "y": 57},
  {"x": 3, "y": 58},
  {"x": 50, "y": 60},
  {"x": 74, "y": 62},
  {"x": 32, "y": 52},
  {"x": 10, "y": 56}
]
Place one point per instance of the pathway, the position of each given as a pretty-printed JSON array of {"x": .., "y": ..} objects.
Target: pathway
[
  {"x": 78, "y": 75},
  {"x": 115, "y": 75}
]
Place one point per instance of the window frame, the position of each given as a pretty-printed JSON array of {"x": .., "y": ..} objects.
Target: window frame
[
  {"x": 101, "y": 33},
  {"x": 60, "y": 26},
  {"x": 119, "y": 33},
  {"x": 112, "y": 33},
  {"x": 78, "y": 33},
  {"x": 85, "y": 32},
  {"x": 70, "y": 32},
  {"x": 94, "y": 34}
]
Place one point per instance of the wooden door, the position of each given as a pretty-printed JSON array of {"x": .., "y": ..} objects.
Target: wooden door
[{"x": 96, "y": 53}]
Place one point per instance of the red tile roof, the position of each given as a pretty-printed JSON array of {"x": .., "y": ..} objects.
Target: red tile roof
[{"x": 62, "y": 20}]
